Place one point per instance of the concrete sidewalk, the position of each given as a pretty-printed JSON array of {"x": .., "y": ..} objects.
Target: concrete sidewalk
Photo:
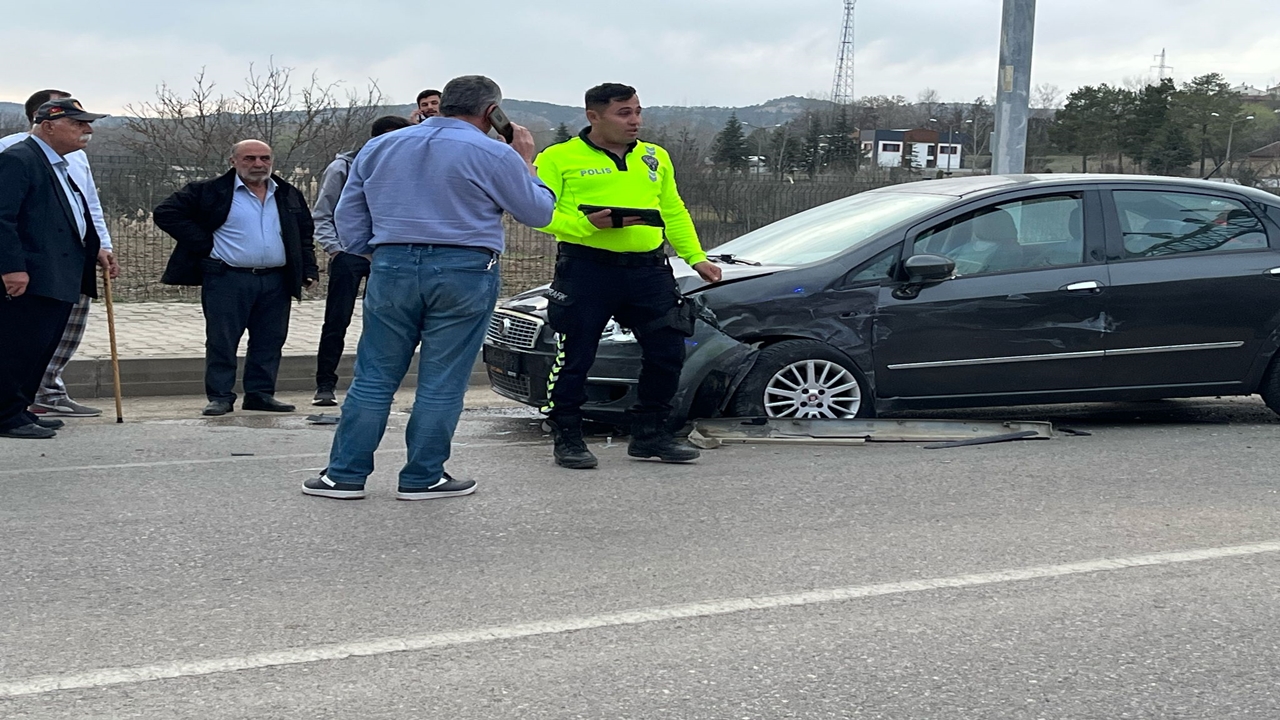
[{"x": 161, "y": 350}]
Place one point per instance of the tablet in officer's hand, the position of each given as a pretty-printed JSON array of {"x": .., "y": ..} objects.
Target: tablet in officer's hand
[{"x": 619, "y": 214}]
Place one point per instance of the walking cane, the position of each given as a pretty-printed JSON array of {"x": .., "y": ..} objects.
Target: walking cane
[{"x": 111, "y": 331}]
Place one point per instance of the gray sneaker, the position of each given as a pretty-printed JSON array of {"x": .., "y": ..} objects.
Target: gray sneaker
[{"x": 66, "y": 407}]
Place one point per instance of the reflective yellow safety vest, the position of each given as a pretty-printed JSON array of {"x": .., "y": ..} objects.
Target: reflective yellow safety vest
[{"x": 580, "y": 173}]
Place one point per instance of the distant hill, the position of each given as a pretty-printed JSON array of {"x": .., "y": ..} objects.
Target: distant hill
[
  {"x": 12, "y": 112},
  {"x": 540, "y": 116}
]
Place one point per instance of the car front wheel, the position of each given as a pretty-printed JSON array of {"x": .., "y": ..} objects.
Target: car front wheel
[{"x": 803, "y": 379}]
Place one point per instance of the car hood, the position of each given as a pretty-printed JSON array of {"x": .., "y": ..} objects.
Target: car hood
[
  {"x": 534, "y": 300},
  {"x": 688, "y": 281}
]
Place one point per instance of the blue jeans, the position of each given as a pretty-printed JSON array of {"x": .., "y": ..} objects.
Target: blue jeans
[{"x": 441, "y": 297}]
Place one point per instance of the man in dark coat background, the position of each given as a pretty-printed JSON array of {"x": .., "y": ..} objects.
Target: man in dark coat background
[
  {"x": 246, "y": 238},
  {"x": 48, "y": 256}
]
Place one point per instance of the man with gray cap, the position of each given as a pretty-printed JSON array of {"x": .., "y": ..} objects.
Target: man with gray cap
[
  {"x": 52, "y": 399},
  {"x": 48, "y": 256}
]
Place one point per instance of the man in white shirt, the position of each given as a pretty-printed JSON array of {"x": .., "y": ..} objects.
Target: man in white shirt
[
  {"x": 52, "y": 398},
  {"x": 246, "y": 238}
]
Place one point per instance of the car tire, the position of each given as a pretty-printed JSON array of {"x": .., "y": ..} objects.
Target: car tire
[
  {"x": 790, "y": 362},
  {"x": 1270, "y": 387}
]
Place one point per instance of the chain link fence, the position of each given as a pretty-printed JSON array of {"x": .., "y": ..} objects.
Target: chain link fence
[{"x": 723, "y": 207}]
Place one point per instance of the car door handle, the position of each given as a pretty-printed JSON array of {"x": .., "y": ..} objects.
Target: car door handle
[
  {"x": 1087, "y": 286},
  {"x": 1274, "y": 272}
]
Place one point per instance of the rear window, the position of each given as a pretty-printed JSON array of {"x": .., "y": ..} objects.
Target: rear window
[{"x": 1156, "y": 224}]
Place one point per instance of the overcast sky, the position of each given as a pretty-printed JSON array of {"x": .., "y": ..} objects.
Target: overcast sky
[{"x": 678, "y": 52}]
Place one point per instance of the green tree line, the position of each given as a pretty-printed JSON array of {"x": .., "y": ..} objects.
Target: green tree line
[{"x": 1200, "y": 127}]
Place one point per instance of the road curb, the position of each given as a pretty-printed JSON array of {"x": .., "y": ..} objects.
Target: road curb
[{"x": 184, "y": 375}]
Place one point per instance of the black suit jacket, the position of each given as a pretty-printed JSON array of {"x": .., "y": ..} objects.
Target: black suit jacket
[
  {"x": 38, "y": 233},
  {"x": 192, "y": 214}
]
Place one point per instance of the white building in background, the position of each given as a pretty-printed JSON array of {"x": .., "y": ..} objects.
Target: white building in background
[{"x": 915, "y": 148}]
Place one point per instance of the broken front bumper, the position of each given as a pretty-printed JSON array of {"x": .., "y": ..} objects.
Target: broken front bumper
[{"x": 519, "y": 352}]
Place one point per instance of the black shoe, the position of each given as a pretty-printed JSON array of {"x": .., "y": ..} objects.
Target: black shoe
[
  {"x": 446, "y": 487},
  {"x": 322, "y": 486},
  {"x": 50, "y": 423},
  {"x": 218, "y": 407},
  {"x": 30, "y": 431},
  {"x": 571, "y": 447},
  {"x": 650, "y": 438},
  {"x": 324, "y": 398},
  {"x": 265, "y": 403}
]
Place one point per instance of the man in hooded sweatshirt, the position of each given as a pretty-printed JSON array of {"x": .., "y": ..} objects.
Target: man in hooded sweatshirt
[{"x": 345, "y": 270}]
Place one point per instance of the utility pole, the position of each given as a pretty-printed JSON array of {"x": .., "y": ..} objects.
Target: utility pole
[{"x": 1013, "y": 87}]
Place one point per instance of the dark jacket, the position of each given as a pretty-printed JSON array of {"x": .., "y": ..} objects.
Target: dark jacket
[
  {"x": 192, "y": 214},
  {"x": 38, "y": 233}
]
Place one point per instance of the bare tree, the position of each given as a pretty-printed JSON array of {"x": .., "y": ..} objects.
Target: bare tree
[
  {"x": 1046, "y": 96},
  {"x": 307, "y": 124},
  {"x": 13, "y": 122},
  {"x": 978, "y": 124},
  {"x": 1135, "y": 83},
  {"x": 927, "y": 103},
  {"x": 880, "y": 111}
]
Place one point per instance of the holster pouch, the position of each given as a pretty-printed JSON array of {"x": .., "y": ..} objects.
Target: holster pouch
[{"x": 680, "y": 318}]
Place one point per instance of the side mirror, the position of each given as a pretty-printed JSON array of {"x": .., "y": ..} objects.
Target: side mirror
[{"x": 929, "y": 268}]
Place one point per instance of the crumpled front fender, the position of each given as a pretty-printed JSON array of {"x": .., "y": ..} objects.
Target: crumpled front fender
[{"x": 715, "y": 364}]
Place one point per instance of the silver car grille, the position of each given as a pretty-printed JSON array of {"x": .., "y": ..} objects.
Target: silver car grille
[{"x": 513, "y": 329}]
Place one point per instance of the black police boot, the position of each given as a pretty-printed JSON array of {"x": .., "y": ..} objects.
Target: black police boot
[
  {"x": 571, "y": 448},
  {"x": 650, "y": 438}
]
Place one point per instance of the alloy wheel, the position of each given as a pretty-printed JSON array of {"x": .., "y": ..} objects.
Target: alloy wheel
[{"x": 813, "y": 389}]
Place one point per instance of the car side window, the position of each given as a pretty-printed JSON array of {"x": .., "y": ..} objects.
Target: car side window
[
  {"x": 1025, "y": 234},
  {"x": 876, "y": 269},
  {"x": 1156, "y": 224}
]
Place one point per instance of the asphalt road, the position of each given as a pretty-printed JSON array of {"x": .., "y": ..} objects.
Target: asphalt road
[{"x": 156, "y": 569}]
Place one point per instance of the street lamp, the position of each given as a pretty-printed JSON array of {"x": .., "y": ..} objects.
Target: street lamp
[
  {"x": 1230, "y": 133},
  {"x": 973, "y": 135}
]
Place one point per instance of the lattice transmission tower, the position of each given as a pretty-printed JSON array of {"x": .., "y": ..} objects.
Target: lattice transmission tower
[{"x": 842, "y": 88}]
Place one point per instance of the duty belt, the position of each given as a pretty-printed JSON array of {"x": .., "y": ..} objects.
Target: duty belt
[{"x": 653, "y": 258}]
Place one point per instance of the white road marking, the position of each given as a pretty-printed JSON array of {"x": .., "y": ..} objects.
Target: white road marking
[
  {"x": 237, "y": 459},
  {"x": 432, "y": 641}
]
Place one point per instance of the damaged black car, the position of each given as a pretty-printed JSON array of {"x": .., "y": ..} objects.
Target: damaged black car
[{"x": 966, "y": 292}]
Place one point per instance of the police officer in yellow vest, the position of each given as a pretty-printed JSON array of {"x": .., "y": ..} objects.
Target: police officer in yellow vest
[{"x": 610, "y": 264}]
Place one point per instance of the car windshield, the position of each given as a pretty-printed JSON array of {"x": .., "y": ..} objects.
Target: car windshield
[{"x": 829, "y": 229}]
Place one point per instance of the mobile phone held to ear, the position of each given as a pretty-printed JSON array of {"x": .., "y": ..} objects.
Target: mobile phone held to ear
[{"x": 501, "y": 124}]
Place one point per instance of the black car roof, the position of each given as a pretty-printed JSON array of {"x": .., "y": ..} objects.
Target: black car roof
[{"x": 960, "y": 187}]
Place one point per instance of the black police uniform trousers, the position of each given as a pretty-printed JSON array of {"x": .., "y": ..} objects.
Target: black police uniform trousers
[
  {"x": 639, "y": 291},
  {"x": 30, "y": 328},
  {"x": 345, "y": 273},
  {"x": 235, "y": 300}
]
